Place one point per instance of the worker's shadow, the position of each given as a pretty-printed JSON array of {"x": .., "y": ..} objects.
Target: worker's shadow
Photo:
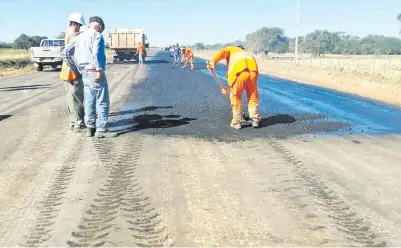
[
  {"x": 156, "y": 61},
  {"x": 159, "y": 121},
  {"x": 273, "y": 120},
  {"x": 149, "y": 108},
  {"x": 147, "y": 121}
]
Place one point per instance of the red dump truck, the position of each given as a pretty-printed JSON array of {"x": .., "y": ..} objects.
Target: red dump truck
[{"x": 124, "y": 42}]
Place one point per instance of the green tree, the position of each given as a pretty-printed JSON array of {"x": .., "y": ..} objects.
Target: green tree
[
  {"x": 22, "y": 42},
  {"x": 267, "y": 40},
  {"x": 321, "y": 42},
  {"x": 35, "y": 40},
  {"x": 60, "y": 35},
  {"x": 6, "y": 45},
  {"x": 199, "y": 46},
  {"x": 351, "y": 45},
  {"x": 317, "y": 42},
  {"x": 25, "y": 42}
]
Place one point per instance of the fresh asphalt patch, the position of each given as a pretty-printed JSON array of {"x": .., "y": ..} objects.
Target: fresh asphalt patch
[{"x": 188, "y": 103}]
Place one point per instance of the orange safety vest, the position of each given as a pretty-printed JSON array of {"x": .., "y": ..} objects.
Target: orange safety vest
[
  {"x": 238, "y": 61},
  {"x": 188, "y": 52},
  {"x": 66, "y": 73},
  {"x": 140, "y": 49}
]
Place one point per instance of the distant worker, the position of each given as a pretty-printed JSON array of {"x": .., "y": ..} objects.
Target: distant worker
[
  {"x": 242, "y": 74},
  {"x": 177, "y": 52},
  {"x": 188, "y": 56},
  {"x": 73, "y": 83},
  {"x": 139, "y": 50}
]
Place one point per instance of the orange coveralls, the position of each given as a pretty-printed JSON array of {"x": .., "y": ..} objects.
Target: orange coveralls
[
  {"x": 189, "y": 56},
  {"x": 242, "y": 74}
]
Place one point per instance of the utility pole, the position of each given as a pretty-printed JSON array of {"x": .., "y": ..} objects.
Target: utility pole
[{"x": 297, "y": 34}]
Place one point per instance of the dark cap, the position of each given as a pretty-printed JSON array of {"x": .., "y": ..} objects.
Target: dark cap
[{"x": 98, "y": 20}]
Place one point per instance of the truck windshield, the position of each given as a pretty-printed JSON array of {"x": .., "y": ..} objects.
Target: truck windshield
[
  {"x": 58, "y": 43},
  {"x": 53, "y": 43}
]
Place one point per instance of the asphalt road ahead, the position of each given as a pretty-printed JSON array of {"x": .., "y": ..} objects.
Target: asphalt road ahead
[{"x": 323, "y": 170}]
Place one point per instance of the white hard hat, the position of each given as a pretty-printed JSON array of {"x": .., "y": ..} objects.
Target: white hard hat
[{"x": 77, "y": 17}]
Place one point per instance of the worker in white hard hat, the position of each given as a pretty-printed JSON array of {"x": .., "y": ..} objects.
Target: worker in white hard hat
[{"x": 73, "y": 83}]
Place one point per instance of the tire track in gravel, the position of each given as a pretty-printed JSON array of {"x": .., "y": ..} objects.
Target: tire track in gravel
[
  {"x": 143, "y": 221},
  {"x": 103, "y": 210},
  {"x": 48, "y": 209},
  {"x": 12, "y": 100},
  {"x": 271, "y": 190},
  {"x": 120, "y": 199},
  {"x": 27, "y": 178},
  {"x": 39, "y": 98},
  {"x": 355, "y": 229}
]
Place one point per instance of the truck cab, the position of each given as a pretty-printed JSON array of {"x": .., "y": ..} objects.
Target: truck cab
[{"x": 48, "y": 53}]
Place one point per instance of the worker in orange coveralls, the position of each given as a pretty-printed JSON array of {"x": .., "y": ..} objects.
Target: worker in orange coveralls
[
  {"x": 188, "y": 56},
  {"x": 242, "y": 74}
]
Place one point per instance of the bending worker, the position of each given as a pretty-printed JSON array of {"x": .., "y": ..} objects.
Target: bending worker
[
  {"x": 188, "y": 56},
  {"x": 242, "y": 74}
]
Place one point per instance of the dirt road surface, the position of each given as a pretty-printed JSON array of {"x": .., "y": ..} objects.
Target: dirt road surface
[{"x": 323, "y": 170}]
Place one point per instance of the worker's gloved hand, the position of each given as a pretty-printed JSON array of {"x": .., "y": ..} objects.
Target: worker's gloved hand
[
  {"x": 225, "y": 91},
  {"x": 210, "y": 66}
]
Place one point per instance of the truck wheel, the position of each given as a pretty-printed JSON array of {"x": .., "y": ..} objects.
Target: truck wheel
[{"x": 40, "y": 67}]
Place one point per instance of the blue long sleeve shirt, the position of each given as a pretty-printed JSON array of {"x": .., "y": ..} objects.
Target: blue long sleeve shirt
[{"x": 89, "y": 51}]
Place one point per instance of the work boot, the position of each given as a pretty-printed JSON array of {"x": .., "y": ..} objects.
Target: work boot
[
  {"x": 256, "y": 122},
  {"x": 105, "y": 134},
  {"x": 246, "y": 118},
  {"x": 236, "y": 126},
  {"x": 78, "y": 128},
  {"x": 90, "y": 132}
]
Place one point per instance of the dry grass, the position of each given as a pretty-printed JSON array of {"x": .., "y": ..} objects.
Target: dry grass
[
  {"x": 377, "y": 77},
  {"x": 386, "y": 69},
  {"x": 14, "y": 62}
]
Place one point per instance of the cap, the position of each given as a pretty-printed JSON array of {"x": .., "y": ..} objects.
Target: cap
[{"x": 98, "y": 20}]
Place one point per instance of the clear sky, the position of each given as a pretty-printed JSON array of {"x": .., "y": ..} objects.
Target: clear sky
[{"x": 209, "y": 21}]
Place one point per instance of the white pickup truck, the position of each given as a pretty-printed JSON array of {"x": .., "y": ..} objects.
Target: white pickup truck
[{"x": 47, "y": 54}]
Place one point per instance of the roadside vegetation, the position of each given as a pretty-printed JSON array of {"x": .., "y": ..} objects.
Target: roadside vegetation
[
  {"x": 368, "y": 66},
  {"x": 15, "y": 56},
  {"x": 14, "y": 61}
]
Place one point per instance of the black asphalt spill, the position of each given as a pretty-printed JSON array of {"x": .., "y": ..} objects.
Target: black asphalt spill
[
  {"x": 3, "y": 117},
  {"x": 173, "y": 101}
]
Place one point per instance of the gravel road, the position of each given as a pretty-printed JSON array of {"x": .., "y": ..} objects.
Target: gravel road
[{"x": 323, "y": 170}]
